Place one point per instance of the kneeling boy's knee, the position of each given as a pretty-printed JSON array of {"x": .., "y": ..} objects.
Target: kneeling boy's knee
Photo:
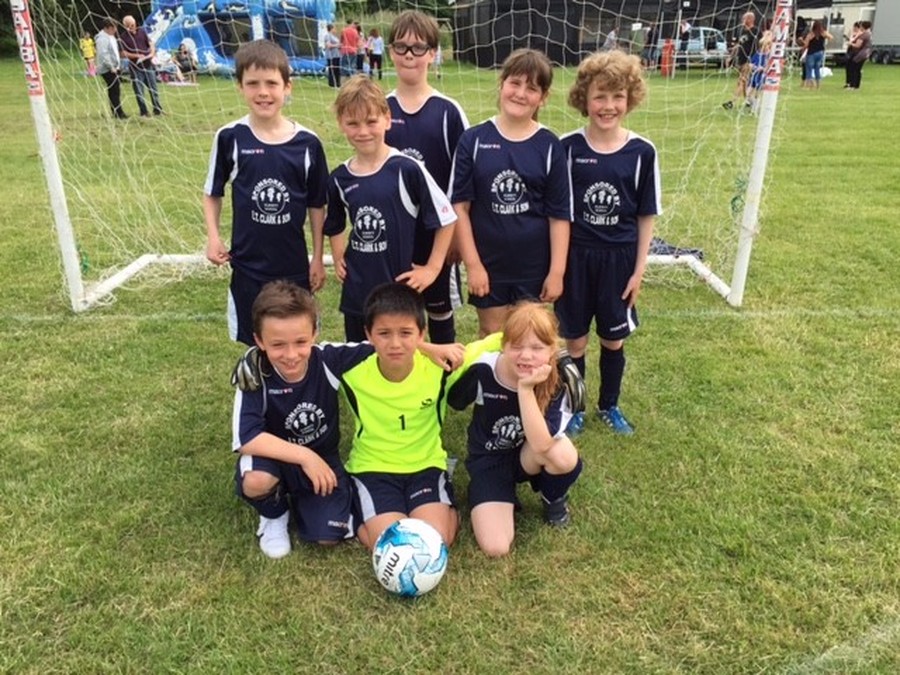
[{"x": 256, "y": 484}]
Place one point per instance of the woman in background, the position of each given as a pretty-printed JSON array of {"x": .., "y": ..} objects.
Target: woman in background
[
  {"x": 858, "y": 53},
  {"x": 815, "y": 54}
]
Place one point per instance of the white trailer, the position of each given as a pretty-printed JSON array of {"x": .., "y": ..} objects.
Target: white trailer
[{"x": 886, "y": 32}]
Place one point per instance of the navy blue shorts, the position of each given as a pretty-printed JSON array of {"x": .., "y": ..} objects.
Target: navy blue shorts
[
  {"x": 504, "y": 294},
  {"x": 494, "y": 477},
  {"x": 378, "y": 493},
  {"x": 318, "y": 517},
  {"x": 241, "y": 294},
  {"x": 592, "y": 291}
]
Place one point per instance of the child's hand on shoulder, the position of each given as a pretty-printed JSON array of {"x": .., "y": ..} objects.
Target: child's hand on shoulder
[{"x": 449, "y": 356}]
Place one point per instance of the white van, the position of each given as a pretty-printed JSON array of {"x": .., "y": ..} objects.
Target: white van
[{"x": 705, "y": 45}]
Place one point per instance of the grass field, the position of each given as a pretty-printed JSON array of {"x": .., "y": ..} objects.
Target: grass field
[{"x": 749, "y": 526}]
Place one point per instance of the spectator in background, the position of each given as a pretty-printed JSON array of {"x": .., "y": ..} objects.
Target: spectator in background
[
  {"x": 815, "y": 54},
  {"x": 375, "y": 47},
  {"x": 741, "y": 54},
  {"x": 857, "y": 54},
  {"x": 650, "y": 52},
  {"x": 108, "y": 64},
  {"x": 851, "y": 52},
  {"x": 332, "y": 48},
  {"x": 349, "y": 47},
  {"x": 438, "y": 61},
  {"x": 612, "y": 40},
  {"x": 684, "y": 35},
  {"x": 89, "y": 53},
  {"x": 186, "y": 65},
  {"x": 140, "y": 51},
  {"x": 758, "y": 64},
  {"x": 361, "y": 45},
  {"x": 799, "y": 41}
]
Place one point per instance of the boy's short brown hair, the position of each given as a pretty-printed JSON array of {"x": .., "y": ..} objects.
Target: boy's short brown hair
[
  {"x": 358, "y": 95},
  {"x": 264, "y": 55},
  {"x": 283, "y": 300},
  {"x": 421, "y": 25},
  {"x": 612, "y": 71}
]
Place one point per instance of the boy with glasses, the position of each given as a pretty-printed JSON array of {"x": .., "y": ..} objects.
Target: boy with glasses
[{"x": 425, "y": 125}]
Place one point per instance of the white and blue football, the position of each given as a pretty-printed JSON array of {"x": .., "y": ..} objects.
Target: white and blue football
[{"x": 409, "y": 558}]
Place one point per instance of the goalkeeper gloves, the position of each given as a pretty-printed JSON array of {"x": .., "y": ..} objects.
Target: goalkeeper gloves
[
  {"x": 571, "y": 380},
  {"x": 247, "y": 373}
]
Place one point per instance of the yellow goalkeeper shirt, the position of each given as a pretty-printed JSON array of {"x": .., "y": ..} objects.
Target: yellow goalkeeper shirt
[{"x": 398, "y": 424}]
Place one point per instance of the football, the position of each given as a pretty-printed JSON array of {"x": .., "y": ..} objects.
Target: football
[{"x": 409, "y": 558}]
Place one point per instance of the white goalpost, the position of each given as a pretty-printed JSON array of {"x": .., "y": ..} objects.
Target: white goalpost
[
  {"x": 125, "y": 195},
  {"x": 81, "y": 297},
  {"x": 781, "y": 29}
]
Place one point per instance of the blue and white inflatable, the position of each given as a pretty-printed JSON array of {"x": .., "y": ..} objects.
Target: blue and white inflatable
[{"x": 198, "y": 24}]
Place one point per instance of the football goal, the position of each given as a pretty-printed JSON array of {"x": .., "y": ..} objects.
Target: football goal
[{"x": 125, "y": 194}]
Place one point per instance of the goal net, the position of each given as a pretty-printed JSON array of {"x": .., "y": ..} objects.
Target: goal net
[{"x": 129, "y": 191}]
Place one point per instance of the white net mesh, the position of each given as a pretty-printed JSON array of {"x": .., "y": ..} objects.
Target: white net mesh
[{"x": 134, "y": 186}]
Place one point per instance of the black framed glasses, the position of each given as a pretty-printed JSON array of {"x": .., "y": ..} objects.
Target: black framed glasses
[{"x": 418, "y": 49}]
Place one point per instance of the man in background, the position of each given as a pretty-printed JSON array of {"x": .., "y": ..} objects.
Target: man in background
[
  {"x": 139, "y": 50},
  {"x": 108, "y": 63},
  {"x": 741, "y": 54}
]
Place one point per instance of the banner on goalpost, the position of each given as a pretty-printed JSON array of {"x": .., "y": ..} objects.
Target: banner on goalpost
[
  {"x": 781, "y": 33},
  {"x": 27, "y": 47}
]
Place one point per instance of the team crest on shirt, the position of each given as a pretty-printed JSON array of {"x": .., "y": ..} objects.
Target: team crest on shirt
[
  {"x": 270, "y": 199},
  {"x": 601, "y": 202},
  {"x": 507, "y": 434},
  {"x": 306, "y": 423},
  {"x": 508, "y": 189},
  {"x": 368, "y": 231}
]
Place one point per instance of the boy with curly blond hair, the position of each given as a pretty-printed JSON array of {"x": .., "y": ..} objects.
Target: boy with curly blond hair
[{"x": 616, "y": 196}]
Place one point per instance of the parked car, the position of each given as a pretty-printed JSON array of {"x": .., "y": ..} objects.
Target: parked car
[{"x": 705, "y": 46}]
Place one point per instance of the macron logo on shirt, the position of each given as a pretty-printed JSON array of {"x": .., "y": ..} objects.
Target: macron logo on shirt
[{"x": 253, "y": 151}]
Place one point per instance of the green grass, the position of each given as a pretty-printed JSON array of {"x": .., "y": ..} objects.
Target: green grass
[{"x": 749, "y": 526}]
